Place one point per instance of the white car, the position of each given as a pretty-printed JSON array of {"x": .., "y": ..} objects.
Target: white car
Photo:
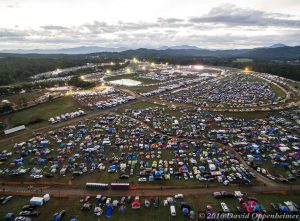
[
  {"x": 39, "y": 176},
  {"x": 143, "y": 179},
  {"x": 202, "y": 179},
  {"x": 258, "y": 169},
  {"x": 178, "y": 196},
  {"x": 226, "y": 182},
  {"x": 225, "y": 207}
]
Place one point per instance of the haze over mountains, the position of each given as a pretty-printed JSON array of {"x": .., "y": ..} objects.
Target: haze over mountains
[
  {"x": 95, "y": 49},
  {"x": 273, "y": 52}
]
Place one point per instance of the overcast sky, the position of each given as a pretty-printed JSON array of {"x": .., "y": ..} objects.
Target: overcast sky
[{"x": 148, "y": 23}]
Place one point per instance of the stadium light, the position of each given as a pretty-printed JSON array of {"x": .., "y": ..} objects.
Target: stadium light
[
  {"x": 198, "y": 67},
  {"x": 247, "y": 69}
]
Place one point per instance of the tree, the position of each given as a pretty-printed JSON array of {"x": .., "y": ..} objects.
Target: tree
[{"x": 6, "y": 108}]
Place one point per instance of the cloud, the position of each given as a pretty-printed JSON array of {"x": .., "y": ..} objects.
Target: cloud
[
  {"x": 226, "y": 26},
  {"x": 232, "y": 15},
  {"x": 12, "y": 35},
  {"x": 53, "y": 27}
]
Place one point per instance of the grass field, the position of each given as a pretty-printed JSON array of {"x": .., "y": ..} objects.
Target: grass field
[
  {"x": 138, "y": 89},
  {"x": 278, "y": 92},
  {"x": 198, "y": 203},
  {"x": 243, "y": 60},
  {"x": 244, "y": 115},
  {"x": 41, "y": 113},
  {"x": 28, "y": 96}
]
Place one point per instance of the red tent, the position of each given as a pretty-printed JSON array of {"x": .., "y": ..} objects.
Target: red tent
[{"x": 135, "y": 204}]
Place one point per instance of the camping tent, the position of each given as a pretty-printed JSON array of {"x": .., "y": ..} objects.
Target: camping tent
[
  {"x": 136, "y": 204},
  {"x": 109, "y": 211}
]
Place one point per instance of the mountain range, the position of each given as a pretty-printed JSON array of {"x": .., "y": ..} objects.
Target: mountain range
[
  {"x": 273, "y": 52},
  {"x": 94, "y": 49}
]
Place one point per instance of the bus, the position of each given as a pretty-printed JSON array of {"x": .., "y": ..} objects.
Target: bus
[{"x": 96, "y": 186}]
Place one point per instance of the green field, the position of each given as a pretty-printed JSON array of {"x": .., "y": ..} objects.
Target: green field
[
  {"x": 16, "y": 98},
  {"x": 243, "y": 60},
  {"x": 278, "y": 92},
  {"x": 138, "y": 89},
  {"x": 42, "y": 112}
]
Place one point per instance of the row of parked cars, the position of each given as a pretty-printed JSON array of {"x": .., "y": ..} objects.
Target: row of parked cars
[
  {"x": 27, "y": 211},
  {"x": 66, "y": 116}
]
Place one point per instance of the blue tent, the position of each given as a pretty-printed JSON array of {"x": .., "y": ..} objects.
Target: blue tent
[
  {"x": 201, "y": 168},
  {"x": 109, "y": 211},
  {"x": 283, "y": 208},
  {"x": 18, "y": 160},
  {"x": 284, "y": 164},
  {"x": 185, "y": 211},
  {"x": 42, "y": 161},
  {"x": 184, "y": 167},
  {"x": 44, "y": 143},
  {"x": 256, "y": 208},
  {"x": 157, "y": 173},
  {"x": 113, "y": 167}
]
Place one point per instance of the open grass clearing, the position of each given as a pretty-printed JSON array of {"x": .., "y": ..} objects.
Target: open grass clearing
[{"x": 42, "y": 112}]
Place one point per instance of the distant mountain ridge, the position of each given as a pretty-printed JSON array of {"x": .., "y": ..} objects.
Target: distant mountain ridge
[
  {"x": 279, "y": 45},
  {"x": 95, "y": 49},
  {"x": 256, "y": 53},
  {"x": 274, "y": 52},
  {"x": 75, "y": 50},
  {"x": 180, "y": 47}
]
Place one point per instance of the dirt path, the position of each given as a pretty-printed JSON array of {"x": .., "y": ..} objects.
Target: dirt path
[{"x": 69, "y": 192}]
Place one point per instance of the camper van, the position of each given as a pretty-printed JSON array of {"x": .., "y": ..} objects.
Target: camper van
[{"x": 172, "y": 210}]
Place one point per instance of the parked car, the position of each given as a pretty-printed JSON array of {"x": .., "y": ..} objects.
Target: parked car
[
  {"x": 225, "y": 207},
  {"x": 8, "y": 198}
]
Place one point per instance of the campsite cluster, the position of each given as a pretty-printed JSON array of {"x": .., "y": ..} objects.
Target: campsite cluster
[
  {"x": 173, "y": 85},
  {"x": 121, "y": 145},
  {"x": 233, "y": 90},
  {"x": 178, "y": 206},
  {"x": 270, "y": 142}
]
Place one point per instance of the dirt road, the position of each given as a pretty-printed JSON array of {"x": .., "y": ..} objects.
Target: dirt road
[{"x": 69, "y": 192}]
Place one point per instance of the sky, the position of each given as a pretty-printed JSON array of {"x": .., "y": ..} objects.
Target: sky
[{"x": 218, "y": 24}]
